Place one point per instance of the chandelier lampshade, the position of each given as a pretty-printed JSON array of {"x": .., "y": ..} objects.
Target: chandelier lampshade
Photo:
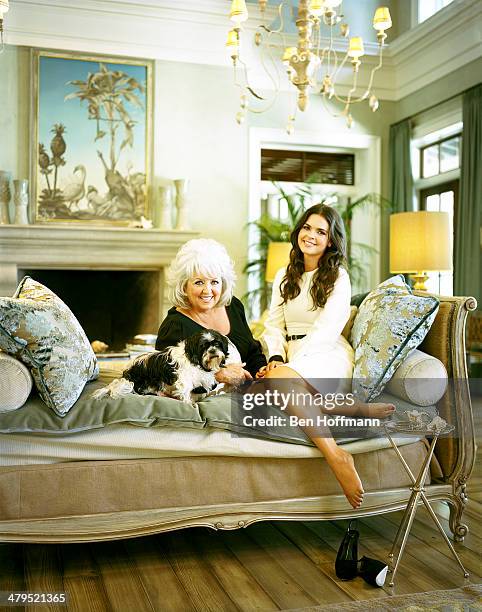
[
  {"x": 356, "y": 48},
  {"x": 239, "y": 12},
  {"x": 314, "y": 65},
  {"x": 382, "y": 19}
]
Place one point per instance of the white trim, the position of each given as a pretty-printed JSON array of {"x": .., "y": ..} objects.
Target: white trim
[
  {"x": 195, "y": 31},
  {"x": 367, "y": 151}
]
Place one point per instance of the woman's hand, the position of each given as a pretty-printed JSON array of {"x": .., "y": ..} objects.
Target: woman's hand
[
  {"x": 233, "y": 374},
  {"x": 261, "y": 373}
]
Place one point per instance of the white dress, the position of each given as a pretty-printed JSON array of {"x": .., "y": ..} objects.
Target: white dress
[{"x": 323, "y": 353}]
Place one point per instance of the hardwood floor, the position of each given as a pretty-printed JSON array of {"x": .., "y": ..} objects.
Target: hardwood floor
[{"x": 268, "y": 566}]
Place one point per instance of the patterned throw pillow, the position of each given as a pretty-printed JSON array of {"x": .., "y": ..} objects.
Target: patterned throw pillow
[
  {"x": 390, "y": 323},
  {"x": 40, "y": 330}
]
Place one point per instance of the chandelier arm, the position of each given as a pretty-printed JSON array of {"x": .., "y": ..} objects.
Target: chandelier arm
[
  {"x": 325, "y": 104},
  {"x": 276, "y": 83},
  {"x": 336, "y": 69},
  {"x": 280, "y": 29},
  {"x": 372, "y": 74},
  {"x": 248, "y": 87}
]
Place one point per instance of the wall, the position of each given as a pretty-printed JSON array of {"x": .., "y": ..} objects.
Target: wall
[{"x": 195, "y": 137}]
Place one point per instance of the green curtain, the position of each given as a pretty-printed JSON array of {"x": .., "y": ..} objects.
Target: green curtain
[
  {"x": 400, "y": 167},
  {"x": 467, "y": 248}
]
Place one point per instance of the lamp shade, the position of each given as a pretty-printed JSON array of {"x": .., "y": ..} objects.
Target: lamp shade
[
  {"x": 278, "y": 257},
  {"x": 356, "y": 48},
  {"x": 239, "y": 12},
  {"x": 420, "y": 241},
  {"x": 382, "y": 20},
  {"x": 3, "y": 7}
]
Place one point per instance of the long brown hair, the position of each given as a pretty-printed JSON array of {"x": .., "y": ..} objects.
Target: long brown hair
[{"x": 328, "y": 264}]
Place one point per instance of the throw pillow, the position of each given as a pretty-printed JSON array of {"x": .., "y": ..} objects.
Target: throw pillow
[
  {"x": 37, "y": 328},
  {"x": 15, "y": 383},
  {"x": 390, "y": 323}
]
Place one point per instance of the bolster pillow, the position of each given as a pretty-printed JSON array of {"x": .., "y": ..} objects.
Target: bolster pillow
[
  {"x": 15, "y": 383},
  {"x": 420, "y": 379}
]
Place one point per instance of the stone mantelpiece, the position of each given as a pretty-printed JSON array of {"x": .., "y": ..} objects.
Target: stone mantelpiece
[{"x": 84, "y": 247}]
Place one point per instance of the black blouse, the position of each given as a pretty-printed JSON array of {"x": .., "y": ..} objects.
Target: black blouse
[{"x": 177, "y": 326}]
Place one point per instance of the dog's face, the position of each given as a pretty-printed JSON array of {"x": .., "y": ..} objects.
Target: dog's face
[{"x": 207, "y": 349}]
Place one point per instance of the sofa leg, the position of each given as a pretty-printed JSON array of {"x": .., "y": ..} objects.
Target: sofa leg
[{"x": 457, "y": 504}]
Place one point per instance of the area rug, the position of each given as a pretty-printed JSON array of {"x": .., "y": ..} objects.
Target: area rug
[{"x": 466, "y": 599}]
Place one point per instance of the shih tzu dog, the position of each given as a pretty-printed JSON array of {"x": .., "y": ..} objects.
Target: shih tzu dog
[{"x": 185, "y": 371}]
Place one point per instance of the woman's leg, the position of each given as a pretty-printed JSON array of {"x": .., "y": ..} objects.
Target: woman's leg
[{"x": 339, "y": 460}]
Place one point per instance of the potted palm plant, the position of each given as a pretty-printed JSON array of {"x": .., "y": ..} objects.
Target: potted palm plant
[{"x": 272, "y": 229}]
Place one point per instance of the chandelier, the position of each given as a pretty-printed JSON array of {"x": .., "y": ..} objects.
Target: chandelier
[
  {"x": 3, "y": 9},
  {"x": 313, "y": 65}
]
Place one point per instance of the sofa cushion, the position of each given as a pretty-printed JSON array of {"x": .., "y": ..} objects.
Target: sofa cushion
[
  {"x": 37, "y": 328},
  {"x": 15, "y": 383},
  {"x": 390, "y": 323},
  {"x": 420, "y": 379}
]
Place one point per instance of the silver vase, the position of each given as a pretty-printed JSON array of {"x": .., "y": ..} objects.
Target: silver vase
[
  {"x": 5, "y": 195},
  {"x": 181, "y": 203},
  {"x": 20, "y": 199}
]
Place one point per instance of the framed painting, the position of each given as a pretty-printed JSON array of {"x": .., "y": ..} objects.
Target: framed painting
[{"x": 92, "y": 138}]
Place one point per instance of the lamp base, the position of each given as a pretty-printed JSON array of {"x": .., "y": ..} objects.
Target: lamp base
[{"x": 419, "y": 281}]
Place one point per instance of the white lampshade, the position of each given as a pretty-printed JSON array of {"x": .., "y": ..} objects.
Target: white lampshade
[
  {"x": 356, "y": 48},
  {"x": 278, "y": 257},
  {"x": 316, "y": 7},
  {"x": 382, "y": 20},
  {"x": 3, "y": 7},
  {"x": 238, "y": 12},
  {"x": 420, "y": 242}
]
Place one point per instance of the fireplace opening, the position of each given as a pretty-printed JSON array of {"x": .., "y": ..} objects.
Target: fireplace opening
[{"x": 111, "y": 306}]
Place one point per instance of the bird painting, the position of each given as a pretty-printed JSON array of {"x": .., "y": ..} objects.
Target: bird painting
[{"x": 74, "y": 191}]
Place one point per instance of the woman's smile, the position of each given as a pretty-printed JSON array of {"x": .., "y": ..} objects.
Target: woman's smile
[
  {"x": 314, "y": 238},
  {"x": 203, "y": 292}
]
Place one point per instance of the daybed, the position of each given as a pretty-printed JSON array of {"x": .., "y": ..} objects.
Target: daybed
[{"x": 125, "y": 493}]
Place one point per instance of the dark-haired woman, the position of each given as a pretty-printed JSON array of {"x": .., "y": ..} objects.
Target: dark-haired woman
[{"x": 309, "y": 308}]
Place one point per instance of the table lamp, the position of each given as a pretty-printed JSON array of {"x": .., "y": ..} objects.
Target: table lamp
[
  {"x": 278, "y": 257},
  {"x": 420, "y": 242}
]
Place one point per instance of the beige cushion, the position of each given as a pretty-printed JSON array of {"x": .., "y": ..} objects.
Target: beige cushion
[
  {"x": 420, "y": 379},
  {"x": 15, "y": 383}
]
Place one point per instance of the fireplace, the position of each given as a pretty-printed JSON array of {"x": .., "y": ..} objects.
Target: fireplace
[
  {"x": 111, "y": 278},
  {"x": 111, "y": 306}
]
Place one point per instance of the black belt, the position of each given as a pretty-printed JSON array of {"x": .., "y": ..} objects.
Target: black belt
[{"x": 295, "y": 337}]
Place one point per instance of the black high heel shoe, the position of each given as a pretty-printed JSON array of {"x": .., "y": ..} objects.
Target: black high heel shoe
[
  {"x": 346, "y": 564},
  {"x": 373, "y": 571}
]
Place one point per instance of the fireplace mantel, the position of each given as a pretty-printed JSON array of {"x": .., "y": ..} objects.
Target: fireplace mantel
[{"x": 84, "y": 247}]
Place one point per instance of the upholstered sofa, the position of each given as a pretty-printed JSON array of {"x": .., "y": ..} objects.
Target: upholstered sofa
[{"x": 88, "y": 500}]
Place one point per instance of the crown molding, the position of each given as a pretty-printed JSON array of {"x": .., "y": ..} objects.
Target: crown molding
[
  {"x": 194, "y": 31},
  {"x": 437, "y": 47}
]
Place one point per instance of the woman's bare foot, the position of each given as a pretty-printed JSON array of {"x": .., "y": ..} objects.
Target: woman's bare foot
[
  {"x": 343, "y": 467},
  {"x": 376, "y": 411}
]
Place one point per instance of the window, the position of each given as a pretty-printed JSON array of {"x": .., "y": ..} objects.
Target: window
[
  {"x": 436, "y": 158},
  {"x": 440, "y": 157},
  {"x": 427, "y": 8},
  {"x": 308, "y": 167},
  {"x": 441, "y": 198}
]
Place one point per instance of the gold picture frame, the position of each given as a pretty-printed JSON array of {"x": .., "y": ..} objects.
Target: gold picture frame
[{"x": 92, "y": 138}]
